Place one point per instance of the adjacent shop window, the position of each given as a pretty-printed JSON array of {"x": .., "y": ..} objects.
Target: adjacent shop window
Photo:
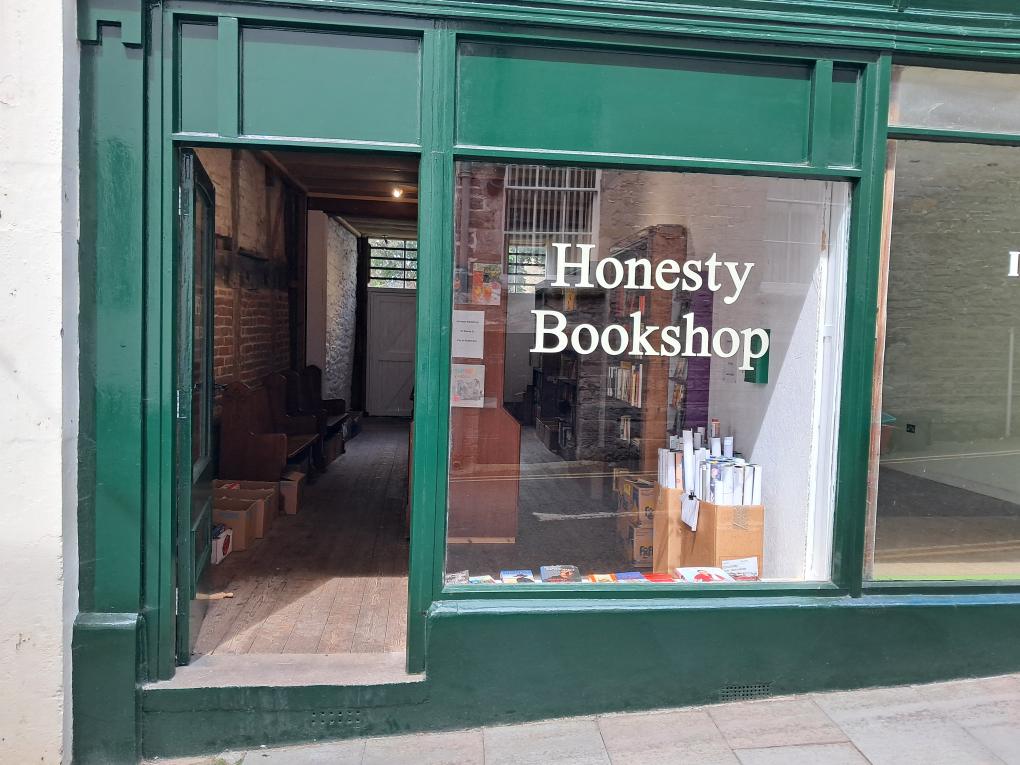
[
  {"x": 955, "y": 99},
  {"x": 946, "y": 431},
  {"x": 394, "y": 263},
  {"x": 645, "y": 376}
]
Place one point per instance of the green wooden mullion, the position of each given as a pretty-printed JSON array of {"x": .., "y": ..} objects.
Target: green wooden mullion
[
  {"x": 228, "y": 77},
  {"x": 158, "y": 561},
  {"x": 432, "y": 355},
  {"x": 854, "y": 449},
  {"x": 264, "y": 142},
  {"x": 644, "y": 161},
  {"x": 676, "y": 591},
  {"x": 821, "y": 113},
  {"x": 902, "y": 133},
  {"x": 111, "y": 243}
]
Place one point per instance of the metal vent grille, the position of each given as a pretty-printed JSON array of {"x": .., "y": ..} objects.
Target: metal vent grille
[
  {"x": 746, "y": 692},
  {"x": 331, "y": 719}
]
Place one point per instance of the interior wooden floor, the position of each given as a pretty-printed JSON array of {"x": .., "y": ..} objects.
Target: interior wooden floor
[{"x": 331, "y": 579}]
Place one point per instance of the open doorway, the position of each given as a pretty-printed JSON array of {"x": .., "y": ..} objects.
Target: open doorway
[{"x": 292, "y": 501}]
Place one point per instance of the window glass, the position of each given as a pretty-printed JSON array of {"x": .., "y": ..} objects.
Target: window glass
[
  {"x": 394, "y": 263},
  {"x": 953, "y": 99},
  {"x": 644, "y": 376},
  {"x": 947, "y": 441}
]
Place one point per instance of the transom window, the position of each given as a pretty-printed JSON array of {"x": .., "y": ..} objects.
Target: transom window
[{"x": 394, "y": 263}]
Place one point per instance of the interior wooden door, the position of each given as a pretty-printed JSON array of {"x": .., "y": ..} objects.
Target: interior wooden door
[{"x": 391, "y": 319}]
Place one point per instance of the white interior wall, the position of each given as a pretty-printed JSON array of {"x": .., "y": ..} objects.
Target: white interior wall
[
  {"x": 38, "y": 375},
  {"x": 331, "y": 303},
  {"x": 341, "y": 310},
  {"x": 776, "y": 425}
]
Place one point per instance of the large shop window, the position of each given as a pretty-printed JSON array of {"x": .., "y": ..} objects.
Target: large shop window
[
  {"x": 947, "y": 436},
  {"x": 645, "y": 376}
]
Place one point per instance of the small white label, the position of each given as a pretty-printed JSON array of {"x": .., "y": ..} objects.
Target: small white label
[
  {"x": 741, "y": 568},
  {"x": 1014, "y": 264}
]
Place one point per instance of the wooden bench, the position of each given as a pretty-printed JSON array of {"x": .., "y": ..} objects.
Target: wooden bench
[
  {"x": 304, "y": 396},
  {"x": 249, "y": 414}
]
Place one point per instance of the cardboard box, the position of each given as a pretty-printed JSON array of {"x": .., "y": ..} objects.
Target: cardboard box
[
  {"x": 639, "y": 542},
  {"x": 673, "y": 537},
  {"x": 222, "y": 545},
  {"x": 238, "y": 518},
  {"x": 273, "y": 504},
  {"x": 256, "y": 506},
  {"x": 643, "y": 498},
  {"x": 727, "y": 533},
  {"x": 626, "y": 511},
  {"x": 291, "y": 490},
  {"x": 269, "y": 497}
]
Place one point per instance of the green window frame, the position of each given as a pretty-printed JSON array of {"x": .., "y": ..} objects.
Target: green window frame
[
  {"x": 938, "y": 135},
  {"x": 438, "y": 148}
]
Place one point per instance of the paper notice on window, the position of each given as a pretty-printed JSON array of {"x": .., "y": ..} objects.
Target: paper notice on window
[
  {"x": 741, "y": 568},
  {"x": 468, "y": 334},
  {"x": 689, "y": 511},
  {"x": 467, "y": 385}
]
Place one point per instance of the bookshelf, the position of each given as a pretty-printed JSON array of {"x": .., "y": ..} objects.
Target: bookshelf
[{"x": 615, "y": 409}]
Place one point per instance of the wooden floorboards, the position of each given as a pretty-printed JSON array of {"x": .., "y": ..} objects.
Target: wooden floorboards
[{"x": 332, "y": 579}]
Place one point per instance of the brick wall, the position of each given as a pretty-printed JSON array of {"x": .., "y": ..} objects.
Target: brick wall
[{"x": 252, "y": 325}]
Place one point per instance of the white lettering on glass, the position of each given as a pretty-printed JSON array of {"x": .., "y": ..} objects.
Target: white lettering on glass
[{"x": 640, "y": 339}]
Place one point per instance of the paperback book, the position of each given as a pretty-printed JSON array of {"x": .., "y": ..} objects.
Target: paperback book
[{"x": 560, "y": 573}]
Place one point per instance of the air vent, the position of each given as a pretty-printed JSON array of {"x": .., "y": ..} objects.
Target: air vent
[
  {"x": 332, "y": 719},
  {"x": 747, "y": 692}
]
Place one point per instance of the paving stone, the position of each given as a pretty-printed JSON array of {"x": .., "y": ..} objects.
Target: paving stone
[
  {"x": 809, "y": 754},
  {"x": 778, "y": 722},
  {"x": 897, "y": 726},
  {"x": 333, "y": 753},
  {"x": 558, "y": 742},
  {"x": 453, "y": 748},
  {"x": 665, "y": 737}
]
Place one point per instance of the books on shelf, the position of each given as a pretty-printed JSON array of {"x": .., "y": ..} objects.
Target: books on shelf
[{"x": 624, "y": 382}]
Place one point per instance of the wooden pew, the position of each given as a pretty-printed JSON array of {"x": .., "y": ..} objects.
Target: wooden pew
[
  {"x": 248, "y": 414},
  {"x": 304, "y": 397},
  {"x": 294, "y": 422}
]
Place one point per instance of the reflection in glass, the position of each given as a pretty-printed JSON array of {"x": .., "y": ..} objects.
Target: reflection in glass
[
  {"x": 955, "y": 99},
  {"x": 569, "y": 389},
  {"x": 948, "y": 496}
]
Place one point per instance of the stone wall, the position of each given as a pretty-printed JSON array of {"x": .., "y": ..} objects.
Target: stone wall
[
  {"x": 341, "y": 275},
  {"x": 39, "y": 382}
]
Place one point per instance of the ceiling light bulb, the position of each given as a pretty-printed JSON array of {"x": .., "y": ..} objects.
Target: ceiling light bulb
[{"x": 398, "y": 193}]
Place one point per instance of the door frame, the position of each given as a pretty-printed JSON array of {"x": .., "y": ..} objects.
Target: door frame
[
  {"x": 164, "y": 138},
  {"x": 192, "y": 182}
]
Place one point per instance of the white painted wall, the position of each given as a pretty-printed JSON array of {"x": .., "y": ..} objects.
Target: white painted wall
[
  {"x": 38, "y": 375},
  {"x": 332, "y": 303}
]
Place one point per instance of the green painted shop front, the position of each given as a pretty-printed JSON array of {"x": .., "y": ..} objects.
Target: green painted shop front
[{"x": 790, "y": 89}]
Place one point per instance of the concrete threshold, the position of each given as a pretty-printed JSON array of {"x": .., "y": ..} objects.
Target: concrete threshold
[{"x": 282, "y": 670}]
